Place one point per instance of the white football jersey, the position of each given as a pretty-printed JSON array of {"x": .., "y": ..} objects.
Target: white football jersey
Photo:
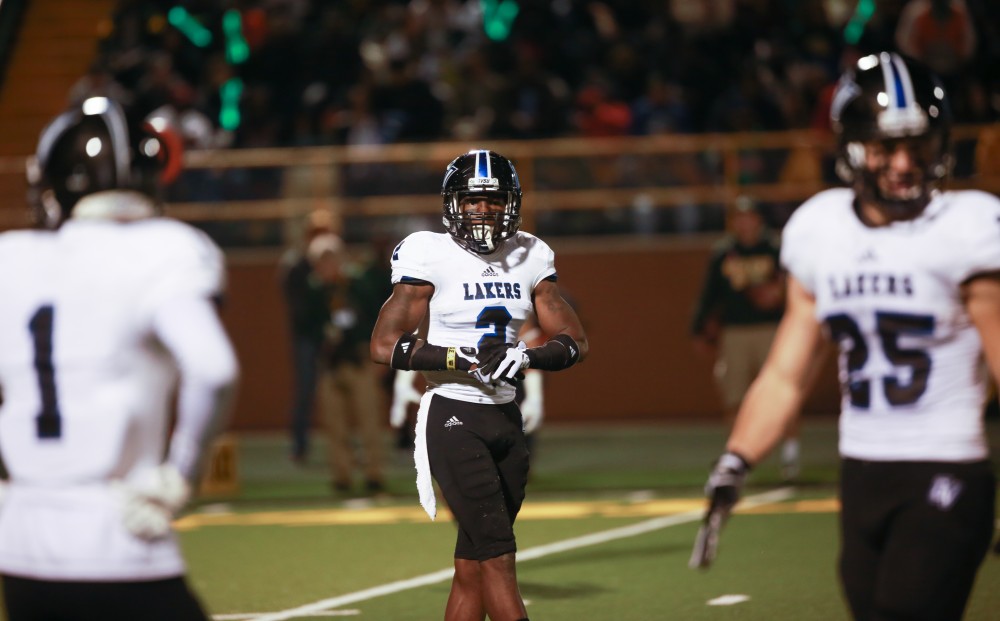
[
  {"x": 86, "y": 388},
  {"x": 477, "y": 300},
  {"x": 911, "y": 369}
]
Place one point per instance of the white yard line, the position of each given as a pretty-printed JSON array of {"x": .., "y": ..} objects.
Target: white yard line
[
  {"x": 248, "y": 616},
  {"x": 566, "y": 545}
]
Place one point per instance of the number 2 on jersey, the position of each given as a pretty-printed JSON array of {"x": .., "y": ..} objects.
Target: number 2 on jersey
[
  {"x": 496, "y": 317},
  {"x": 48, "y": 421},
  {"x": 890, "y": 326}
]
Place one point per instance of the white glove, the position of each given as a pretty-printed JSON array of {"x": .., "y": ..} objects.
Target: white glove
[
  {"x": 503, "y": 364},
  {"x": 532, "y": 408},
  {"x": 403, "y": 394},
  {"x": 150, "y": 503}
]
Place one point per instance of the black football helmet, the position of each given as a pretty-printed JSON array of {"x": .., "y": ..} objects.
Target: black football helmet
[
  {"x": 887, "y": 98},
  {"x": 481, "y": 173},
  {"x": 90, "y": 148}
]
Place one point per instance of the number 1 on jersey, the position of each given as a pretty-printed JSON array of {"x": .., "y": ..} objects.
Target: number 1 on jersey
[{"x": 49, "y": 423}]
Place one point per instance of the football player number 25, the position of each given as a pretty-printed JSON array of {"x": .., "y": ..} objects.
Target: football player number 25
[
  {"x": 48, "y": 422},
  {"x": 890, "y": 326}
]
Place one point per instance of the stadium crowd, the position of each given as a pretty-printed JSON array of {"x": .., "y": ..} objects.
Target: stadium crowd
[{"x": 384, "y": 71}]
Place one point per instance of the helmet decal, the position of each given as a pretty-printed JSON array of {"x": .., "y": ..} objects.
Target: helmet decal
[
  {"x": 483, "y": 178},
  {"x": 902, "y": 115}
]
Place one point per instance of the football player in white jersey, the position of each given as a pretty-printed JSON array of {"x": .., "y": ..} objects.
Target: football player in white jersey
[
  {"x": 466, "y": 294},
  {"x": 905, "y": 279},
  {"x": 104, "y": 310}
]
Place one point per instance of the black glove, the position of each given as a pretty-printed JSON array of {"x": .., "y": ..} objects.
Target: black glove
[
  {"x": 723, "y": 489},
  {"x": 725, "y": 483}
]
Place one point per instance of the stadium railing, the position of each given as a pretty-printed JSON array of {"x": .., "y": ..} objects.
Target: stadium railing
[{"x": 573, "y": 186}]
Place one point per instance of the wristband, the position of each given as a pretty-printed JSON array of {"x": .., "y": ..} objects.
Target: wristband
[{"x": 734, "y": 461}]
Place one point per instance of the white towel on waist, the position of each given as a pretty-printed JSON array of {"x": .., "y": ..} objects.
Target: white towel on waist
[{"x": 425, "y": 486}]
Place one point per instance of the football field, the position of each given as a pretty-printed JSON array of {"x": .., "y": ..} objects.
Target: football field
[{"x": 605, "y": 533}]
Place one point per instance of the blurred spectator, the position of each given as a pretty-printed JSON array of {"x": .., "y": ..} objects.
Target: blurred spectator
[
  {"x": 661, "y": 109},
  {"x": 533, "y": 102},
  {"x": 746, "y": 105},
  {"x": 307, "y": 296},
  {"x": 741, "y": 303},
  {"x": 597, "y": 114},
  {"x": 406, "y": 108},
  {"x": 431, "y": 72},
  {"x": 161, "y": 85},
  {"x": 98, "y": 82},
  {"x": 473, "y": 111},
  {"x": 938, "y": 33},
  {"x": 351, "y": 395}
]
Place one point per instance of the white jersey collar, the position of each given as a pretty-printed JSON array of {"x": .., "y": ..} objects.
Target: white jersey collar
[{"x": 118, "y": 205}]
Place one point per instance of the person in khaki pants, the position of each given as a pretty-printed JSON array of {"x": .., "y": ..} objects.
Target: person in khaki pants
[
  {"x": 351, "y": 397},
  {"x": 741, "y": 302}
]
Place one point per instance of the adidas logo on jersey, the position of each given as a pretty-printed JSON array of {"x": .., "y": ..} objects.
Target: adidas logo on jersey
[
  {"x": 490, "y": 272},
  {"x": 452, "y": 422},
  {"x": 405, "y": 347}
]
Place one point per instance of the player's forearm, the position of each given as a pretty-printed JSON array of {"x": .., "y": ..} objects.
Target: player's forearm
[
  {"x": 769, "y": 406},
  {"x": 413, "y": 354},
  {"x": 202, "y": 411},
  {"x": 208, "y": 369}
]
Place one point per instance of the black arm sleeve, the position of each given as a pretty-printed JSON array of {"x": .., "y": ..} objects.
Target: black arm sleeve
[
  {"x": 413, "y": 354},
  {"x": 560, "y": 353}
]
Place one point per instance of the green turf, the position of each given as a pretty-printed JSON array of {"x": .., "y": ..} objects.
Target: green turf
[
  {"x": 785, "y": 563},
  {"x": 567, "y": 460}
]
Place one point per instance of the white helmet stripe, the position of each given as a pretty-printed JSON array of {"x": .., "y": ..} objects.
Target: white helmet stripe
[
  {"x": 483, "y": 166},
  {"x": 898, "y": 85},
  {"x": 114, "y": 118},
  {"x": 55, "y": 129}
]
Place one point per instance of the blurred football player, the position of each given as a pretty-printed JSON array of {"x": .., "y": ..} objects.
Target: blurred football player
[
  {"x": 905, "y": 279},
  {"x": 466, "y": 293},
  {"x": 103, "y": 311}
]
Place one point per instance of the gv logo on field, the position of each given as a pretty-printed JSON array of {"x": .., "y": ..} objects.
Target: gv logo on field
[{"x": 944, "y": 491}]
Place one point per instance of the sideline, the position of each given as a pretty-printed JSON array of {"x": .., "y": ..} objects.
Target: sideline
[{"x": 605, "y": 536}]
